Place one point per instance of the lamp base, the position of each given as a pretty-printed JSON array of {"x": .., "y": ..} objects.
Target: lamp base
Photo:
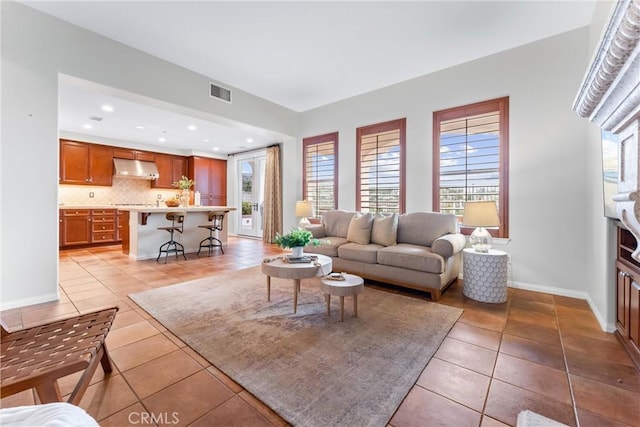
[
  {"x": 480, "y": 240},
  {"x": 304, "y": 222}
]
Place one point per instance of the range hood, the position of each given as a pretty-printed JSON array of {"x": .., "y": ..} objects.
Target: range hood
[{"x": 125, "y": 168}]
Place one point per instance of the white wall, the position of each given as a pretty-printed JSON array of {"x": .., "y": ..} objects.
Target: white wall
[
  {"x": 556, "y": 225},
  {"x": 35, "y": 49}
]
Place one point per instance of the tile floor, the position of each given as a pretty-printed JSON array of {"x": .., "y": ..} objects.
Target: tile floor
[{"x": 537, "y": 351}]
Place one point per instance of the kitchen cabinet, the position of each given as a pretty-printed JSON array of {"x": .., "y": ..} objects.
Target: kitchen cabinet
[
  {"x": 75, "y": 227},
  {"x": 211, "y": 180},
  {"x": 85, "y": 164},
  {"x": 126, "y": 153},
  {"x": 87, "y": 226},
  {"x": 171, "y": 168},
  {"x": 628, "y": 295},
  {"x": 103, "y": 225}
]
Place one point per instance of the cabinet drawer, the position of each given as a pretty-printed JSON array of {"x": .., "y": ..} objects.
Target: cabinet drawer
[
  {"x": 103, "y": 236},
  {"x": 103, "y": 219},
  {"x": 104, "y": 226},
  {"x": 103, "y": 212},
  {"x": 75, "y": 212}
]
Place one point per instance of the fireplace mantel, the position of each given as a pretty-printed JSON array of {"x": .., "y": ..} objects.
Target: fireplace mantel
[{"x": 610, "y": 98}]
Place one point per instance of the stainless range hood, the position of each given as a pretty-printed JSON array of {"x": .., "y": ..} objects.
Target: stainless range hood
[{"x": 125, "y": 168}]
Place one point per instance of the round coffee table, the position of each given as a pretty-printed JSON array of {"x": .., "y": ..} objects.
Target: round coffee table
[
  {"x": 352, "y": 285},
  {"x": 278, "y": 267}
]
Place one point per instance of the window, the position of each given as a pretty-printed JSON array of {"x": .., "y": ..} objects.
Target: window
[
  {"x": 380, "y": 167},
  {"x": 471, "y": 158},
  {"x": 320, "y": 172}
]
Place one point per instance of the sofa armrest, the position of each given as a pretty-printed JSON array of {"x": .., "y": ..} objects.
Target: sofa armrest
[
  {"x": 317, "y": 230},
  {"x": 449, "y": 244}
]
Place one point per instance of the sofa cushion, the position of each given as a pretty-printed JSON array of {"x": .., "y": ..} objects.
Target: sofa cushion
[
  {"x": 336, "y": 223},
  {"x": 328, "y": 246},
  {"x": 360, "y": 253},
  {"x": 413, "y": 257},
  {"x": 360, "y": 229},
  {"x": 384, "y": 229},
  {"x": 422, "y": 228}
]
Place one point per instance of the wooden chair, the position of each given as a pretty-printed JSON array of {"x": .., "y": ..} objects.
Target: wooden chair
[{"x": 37, "y": 357}]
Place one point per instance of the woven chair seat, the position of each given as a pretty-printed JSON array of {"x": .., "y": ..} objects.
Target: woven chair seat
[{"x": 36, "y": 357}]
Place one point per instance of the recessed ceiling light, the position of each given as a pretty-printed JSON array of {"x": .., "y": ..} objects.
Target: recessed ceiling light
[
  {"x": 191, "y": 127},
  {"x": 108, "y": 108},
  {"x": 161, "y": 139},
  {"x": 249, "y": 140},
  {"x": 215, "y": 148},
  {"x": 205, "y": 140},
  {"x": 87, "y": 126},
  {"x": 139, "y": 127}
]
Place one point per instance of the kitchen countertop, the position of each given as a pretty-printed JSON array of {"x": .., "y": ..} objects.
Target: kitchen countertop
[{"x": 151, "y": 208}]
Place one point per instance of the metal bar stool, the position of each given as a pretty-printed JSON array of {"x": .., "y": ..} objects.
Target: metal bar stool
[
  {"x": 172, "y": 246},
  {"x": 216, "y": 219}
]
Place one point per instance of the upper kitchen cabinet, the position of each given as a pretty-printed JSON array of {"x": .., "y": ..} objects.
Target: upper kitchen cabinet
[
  {"x": 211, "y": 180},
  {"x": 171, "y": 168},
  {"x": 85, "y": 164},
  {"x": 126, "y": 153}
]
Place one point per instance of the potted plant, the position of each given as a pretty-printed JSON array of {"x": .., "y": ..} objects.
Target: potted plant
[
  {"x": 184, "y": 184},
  {"x": 297, "y": 239}
]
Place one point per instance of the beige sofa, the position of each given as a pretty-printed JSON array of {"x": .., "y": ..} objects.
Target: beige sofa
[{"x": 420, "y": 250}]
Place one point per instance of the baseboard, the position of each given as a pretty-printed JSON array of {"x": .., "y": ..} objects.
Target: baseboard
[
  {"x": 30, "y": 301},
  {"x": 606, "y": 327}
]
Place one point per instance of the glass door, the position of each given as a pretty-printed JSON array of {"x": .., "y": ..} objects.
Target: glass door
[{"x": 251, "y": 179}]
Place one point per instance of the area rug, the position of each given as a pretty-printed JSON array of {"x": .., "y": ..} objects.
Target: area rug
[{"x": 310, "y": 368}]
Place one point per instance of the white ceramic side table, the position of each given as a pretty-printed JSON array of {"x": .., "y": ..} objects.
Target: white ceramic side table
[{"x": 485, "y": 275}]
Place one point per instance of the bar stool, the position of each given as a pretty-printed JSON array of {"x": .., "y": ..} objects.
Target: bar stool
[
  {"x": 172, "y": 245},
  {"x": 216, "y": 219}
]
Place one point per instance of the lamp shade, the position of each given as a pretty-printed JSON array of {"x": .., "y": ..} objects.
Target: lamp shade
[
  {"x": 304, "y": 209},
  {"x": 481, "y": 214}
]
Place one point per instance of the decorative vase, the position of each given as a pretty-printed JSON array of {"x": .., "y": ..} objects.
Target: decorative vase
[
  {"x": 297, "y": 251},
  {"x": 184, "y": 198}
]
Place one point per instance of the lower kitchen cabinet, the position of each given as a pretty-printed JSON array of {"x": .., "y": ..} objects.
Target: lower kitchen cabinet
[
  {"x": 87, "y": 226},
  {"x": 75, "y": 227},
  {"x": 628, "y": 295}
]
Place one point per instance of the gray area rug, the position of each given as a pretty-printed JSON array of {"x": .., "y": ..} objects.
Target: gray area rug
[{"x": 310, "y": 368}]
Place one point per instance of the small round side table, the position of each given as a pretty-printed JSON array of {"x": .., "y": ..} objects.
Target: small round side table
[{"x": 485, "y": 275}]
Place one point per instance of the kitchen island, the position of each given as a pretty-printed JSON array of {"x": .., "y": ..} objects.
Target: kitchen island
[{"x": 141, "y": 239}]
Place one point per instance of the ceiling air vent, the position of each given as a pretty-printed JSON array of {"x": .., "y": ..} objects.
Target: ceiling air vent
[
  {"x": 96, "y": 118},
  {"x": 220, "y": 92}
]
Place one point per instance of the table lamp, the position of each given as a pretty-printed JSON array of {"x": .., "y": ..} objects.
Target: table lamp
[
  {"x": 304, "y": 210},
  {"x": 480, "y": 214}
]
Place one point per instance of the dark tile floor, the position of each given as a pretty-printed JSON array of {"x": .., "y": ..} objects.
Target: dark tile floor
[{"x": 536, "y": 351}]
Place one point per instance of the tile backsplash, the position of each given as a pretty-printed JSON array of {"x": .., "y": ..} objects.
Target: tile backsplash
[{"x": 122, "y": 191}]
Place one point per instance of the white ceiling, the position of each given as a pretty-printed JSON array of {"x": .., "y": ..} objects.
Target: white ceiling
[{"x": 302, "y": 55}]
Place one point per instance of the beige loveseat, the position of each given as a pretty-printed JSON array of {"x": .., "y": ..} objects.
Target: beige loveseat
[{"x": 420, "y": 250}]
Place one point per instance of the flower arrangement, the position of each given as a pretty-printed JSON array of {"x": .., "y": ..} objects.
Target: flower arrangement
[
  {"x": 184, "y": 183},
  {"x": 297, "y": 237}
]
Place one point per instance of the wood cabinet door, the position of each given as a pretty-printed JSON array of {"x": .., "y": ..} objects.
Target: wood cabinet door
[
  {"x": 634, "y": 315},
  {"x": 164, "y": 162},
  {"x": 74, "y": 162},
  {"x": 145, "y": 156},
  {"x": 123, "y": 153},
  {"x": 199, "y": 169},
  {"x": 179, "y": 168},
  {"x": 622, "y": 299},
  {"x": 76, "y": 230},
  {"x": 100, "y": 165},
  {"x": 218, "y": 178}
]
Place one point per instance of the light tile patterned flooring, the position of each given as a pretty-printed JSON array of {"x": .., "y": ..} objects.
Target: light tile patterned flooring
[{"x": 537, "y": 351}]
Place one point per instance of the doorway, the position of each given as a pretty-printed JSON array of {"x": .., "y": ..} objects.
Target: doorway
[{"x": 251, "y": 170}]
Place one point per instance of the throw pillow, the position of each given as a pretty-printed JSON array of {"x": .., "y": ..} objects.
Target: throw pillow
[
  {"x": 385, "y": 229},
  {"x": 360, "y": 229}
]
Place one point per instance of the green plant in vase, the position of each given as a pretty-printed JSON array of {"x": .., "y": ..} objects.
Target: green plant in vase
[{"x": 297, "y": 239}]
